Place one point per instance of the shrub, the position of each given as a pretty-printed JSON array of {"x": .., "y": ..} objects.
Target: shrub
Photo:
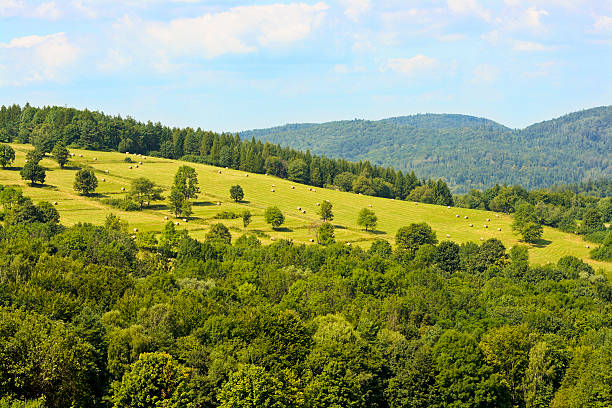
[{"x": 122, "y": 204}]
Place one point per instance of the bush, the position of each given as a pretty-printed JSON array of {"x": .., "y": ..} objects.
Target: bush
[
  {"x": 274, "y": 217},
  {"x": 122, "y": 204},
  {"x": 128, "y": 160},
  {"x": 227, "y": 215},
  {"x": 236, "y": 193}
]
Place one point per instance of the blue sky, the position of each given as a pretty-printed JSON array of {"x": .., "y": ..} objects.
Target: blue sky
[{"x": 233, "y": 65}]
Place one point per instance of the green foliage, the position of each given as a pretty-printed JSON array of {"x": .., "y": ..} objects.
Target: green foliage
[
  {"x": 526, "y": 223},
  {"x": 7, "y": 155},
  {"x": 274, "y": 217},
  {"x": 33, "y": 172},
  {"x": 325, "y": 234},
  {"x": 236, "y": 193},
  {"x": 219, "y": 232},
  {"x": 85, "y": 181},
  {"x": 246, "y": 219},
  {"x": 144, "y": 191},
  {"x": 60, "y": 154},
  {"x": 43, "y": 138},
  {"x": 298, "y": 171},
  {"x": 155, "y": 380},
  {"x": 34, "y": 156},
  {"x": 410, "y": 238},
  {"x": 367, "y": 219},
  {"x": 124, "y": 204},
  {"x": 326, "y": 211},
  {"x": 604, "y": 252},
  {"x": 185, "y": 187}
]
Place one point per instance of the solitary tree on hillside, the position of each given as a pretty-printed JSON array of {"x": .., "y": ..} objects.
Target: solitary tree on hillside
[
  {"x": 326, "y": 211},
  {"x": 410, "y": 238},
  {"x": 185, "y": 188},
  {"x": 144, "y": 190},
  {"x": 7, "y": 155},
  {"x": 236, "y": 193},
  {"x": 367, "y": 219},
  {"x": 274, "y": 217},
  {"x": 85, "y": 181},
  {"x": 325, "y": 234},
  {"x": 526, "y": 223},
  {"x": 246, "y": 219},
  {"x": 60, "y": 154},
  {"x": 33, "y": 172}
]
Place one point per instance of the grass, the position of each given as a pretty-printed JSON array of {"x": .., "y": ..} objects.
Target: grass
[{"x": 299, "y": 227}]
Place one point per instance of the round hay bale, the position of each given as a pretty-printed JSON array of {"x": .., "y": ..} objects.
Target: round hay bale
[
  {"x": 457, "y": 215},
  {"x": 481, "y": 238},
  {"x": 176, "y": 223},
  {"x": 486, "y": 226},
  {"x": 106, "y": 171},
  {"x": 266, "y": 174},
  {"x": 272, "y": 238},
  {"x": 139, "y": 162},
  {"x": 499, "y": 229},
  {"x": 586, "y": 246},
  {"x": 136, "y": 166},
  {"x": 166, "y": 217},
  {"x": 226, "y": 168},
  {"x": 184, "y": 219},
  {"x": 127, "y": 152},
  {"x": 130, "y": 167},
  {"x": 272, "y": 190},
  {"x": 80, "y": 155},
  {"x": 466, "y": 217},
  {"x": 122, "y": 188},
  {"x": 488, "y": 219},
  {"x": 293, "y": 187},
  {"x": 135, "y": 229},
  {"x": 95, "y": 158},
  {"x": 448, "y": 206},
  {"x": 299, "y": 208},
  {"x": 103, "y": 179},
  {"x": 318, "y": 204},
  {"x": 314, "y": 190},
  {"x": 370, "y": 205},
  {"x": 348, "y": 244},
  {"x": 447, "y": 235},
  {"x": 471, "y": 225},
  {"x": 246, "y": 175},
  {"x": 218, "y": 202},
  {"x": 133, "y": 236},
  {"x": 311, "y": 240},
  {"x": 303, "y": 211},
  {"x": 55, "y": 203}
]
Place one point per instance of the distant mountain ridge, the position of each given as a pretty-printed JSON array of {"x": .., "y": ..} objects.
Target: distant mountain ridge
[{"x": 467, "y": 151}]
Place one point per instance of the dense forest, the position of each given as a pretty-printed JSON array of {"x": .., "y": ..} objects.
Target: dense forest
[
  {"x": 468, "y": 152},
  {"x": 91, "y": 316}
]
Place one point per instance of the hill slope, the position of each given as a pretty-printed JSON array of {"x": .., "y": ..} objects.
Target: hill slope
[
  {"x": 215, "y": 186},
  {"x": 467, "y": 151}
]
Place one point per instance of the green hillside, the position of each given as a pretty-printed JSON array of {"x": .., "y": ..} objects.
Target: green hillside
[
  {"x": 299, "y": 226},
  {"x": 466, "y": 151}
]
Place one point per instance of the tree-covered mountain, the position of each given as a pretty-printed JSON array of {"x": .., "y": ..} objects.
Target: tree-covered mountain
[{"x": 468, "y": 152}]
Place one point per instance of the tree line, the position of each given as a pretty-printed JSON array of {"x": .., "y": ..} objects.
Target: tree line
[{"x": 96, "y": 316}]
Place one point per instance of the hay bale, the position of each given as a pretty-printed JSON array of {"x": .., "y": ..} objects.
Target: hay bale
[
  {"x": 184, "y": 219},
  {"x": 481, "y": 238},
  {"x": 303, "y": 211},
  {"x": 348, "y": 244},
  {"x": 457, "y": 215},
  {"x": 218, "y": 202},
  {"x": 139, "y": 162},
  {"x": 299, "y": 208},
  {"x": 318, "y": 204},
  {"x": 499, "y": 229},
  {"x": 447, "y": 235},
  {"x": 95, "y": 158},
  {"x": 246, "y": 175},
  {"x": 103, "y": 179},
  {"x": 448, "y": 206},
  {"x": 166, "y": 217},
  {"x": 127, "y": 152},
  {"x": 135, "y": 229},
  {"x": 122, "y": 188},
  {"x": 136, "y": 166},
  {"x": 488, "y": 219},
  {"x": 130, "y": 167},
  {"x": 272, "y": 190},
  {"x": 272, "y": 238},
  {"x": 293, "y": 187},
  {"x": 106, "y": 171},
  {"x": 587, "y": 247},
  {"x": 176, "y": 223},
  {"x": 55, "y": 203},
  {"x": 314, "y": 190},
  {"x": 226, "y": 168},
  {"x": 466, "y": 217},
  {"x": 370, "y": 205},
  {"x": 471, "y": 225},
  {"x": 486, "y": 226},
  {"x": 311, "y": 240}
]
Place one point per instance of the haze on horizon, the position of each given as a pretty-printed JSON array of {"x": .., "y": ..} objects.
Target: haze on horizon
[{"x": 234, "y": 65}]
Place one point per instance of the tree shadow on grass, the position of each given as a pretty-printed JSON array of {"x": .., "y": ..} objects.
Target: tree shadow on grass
[
  {"x": 340, "y": 227},
  {"x": 156, "y": 207},
  {"x": 203, "y": 204},
  {"x": 541, "y": 243},
  {"x": 376, "y": 232},
  {"x": 11, "y": 168},
  {"x": 70, "y": 168},
  {"x": 283, "y": 229}
]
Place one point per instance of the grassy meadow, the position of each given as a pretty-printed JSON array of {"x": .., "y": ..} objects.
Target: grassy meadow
[{"x": 262, "y": 191}]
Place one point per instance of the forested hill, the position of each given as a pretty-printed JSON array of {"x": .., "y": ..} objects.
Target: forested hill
[{"x": 467, "y": 151}]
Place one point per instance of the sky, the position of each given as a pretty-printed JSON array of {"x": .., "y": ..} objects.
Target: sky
[{"x": 238, "y": 64}]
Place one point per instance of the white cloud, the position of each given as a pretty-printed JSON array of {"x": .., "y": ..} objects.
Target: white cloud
[
  {"x": 354, "y": 9},
  {"x": 532, "y": 16},
  {"x": 36, "y": 58},
  {"x": 411, "y": 66},
  {"x": 485, "y": 73},
  {"x": 603, "y": 24},
  {"x": 239, "y": 30},
  {"x": 469, "y": 7},
  {"x": 529, "y": 46},
  {"x": 10, "y": 7},
  {"x": 47, "y": 10}
]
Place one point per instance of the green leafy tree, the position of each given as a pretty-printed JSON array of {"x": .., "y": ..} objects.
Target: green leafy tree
[
  {"x": 144, "y": 190},
  {"x": 179, "y": 205},
  {"x": 33, "y": 172},
  {"x": 447, "y": 256},
  {"x": 7, "y": 155},
  {"x": 219, "y": 232},
  {"x": 411, "y": 237},
  {"x": 156, "y": 380},
  {"x": 47, "y": 212},
  {"x": 367, "y": 219},
  {"x": 34, "y": 156},
  {"x": 592, "y": 221},
  {"x": 60, "y": 154},
  {"x": 42, "y": 138},
  {"x": 532, "y": 232},
  {"x": 236, "y": 193},
  {"x": 185, "y": 188},
  {"x": 526, "y": 223},
  {"x": 325, "y": 234},
  {"x": 85, "y": 181},
  {"x": 298, "y": 171},
  {"x": 246, "y": 219},
  {"x": 326, "y": 211},
  {"x": 274, "y": 217}
]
